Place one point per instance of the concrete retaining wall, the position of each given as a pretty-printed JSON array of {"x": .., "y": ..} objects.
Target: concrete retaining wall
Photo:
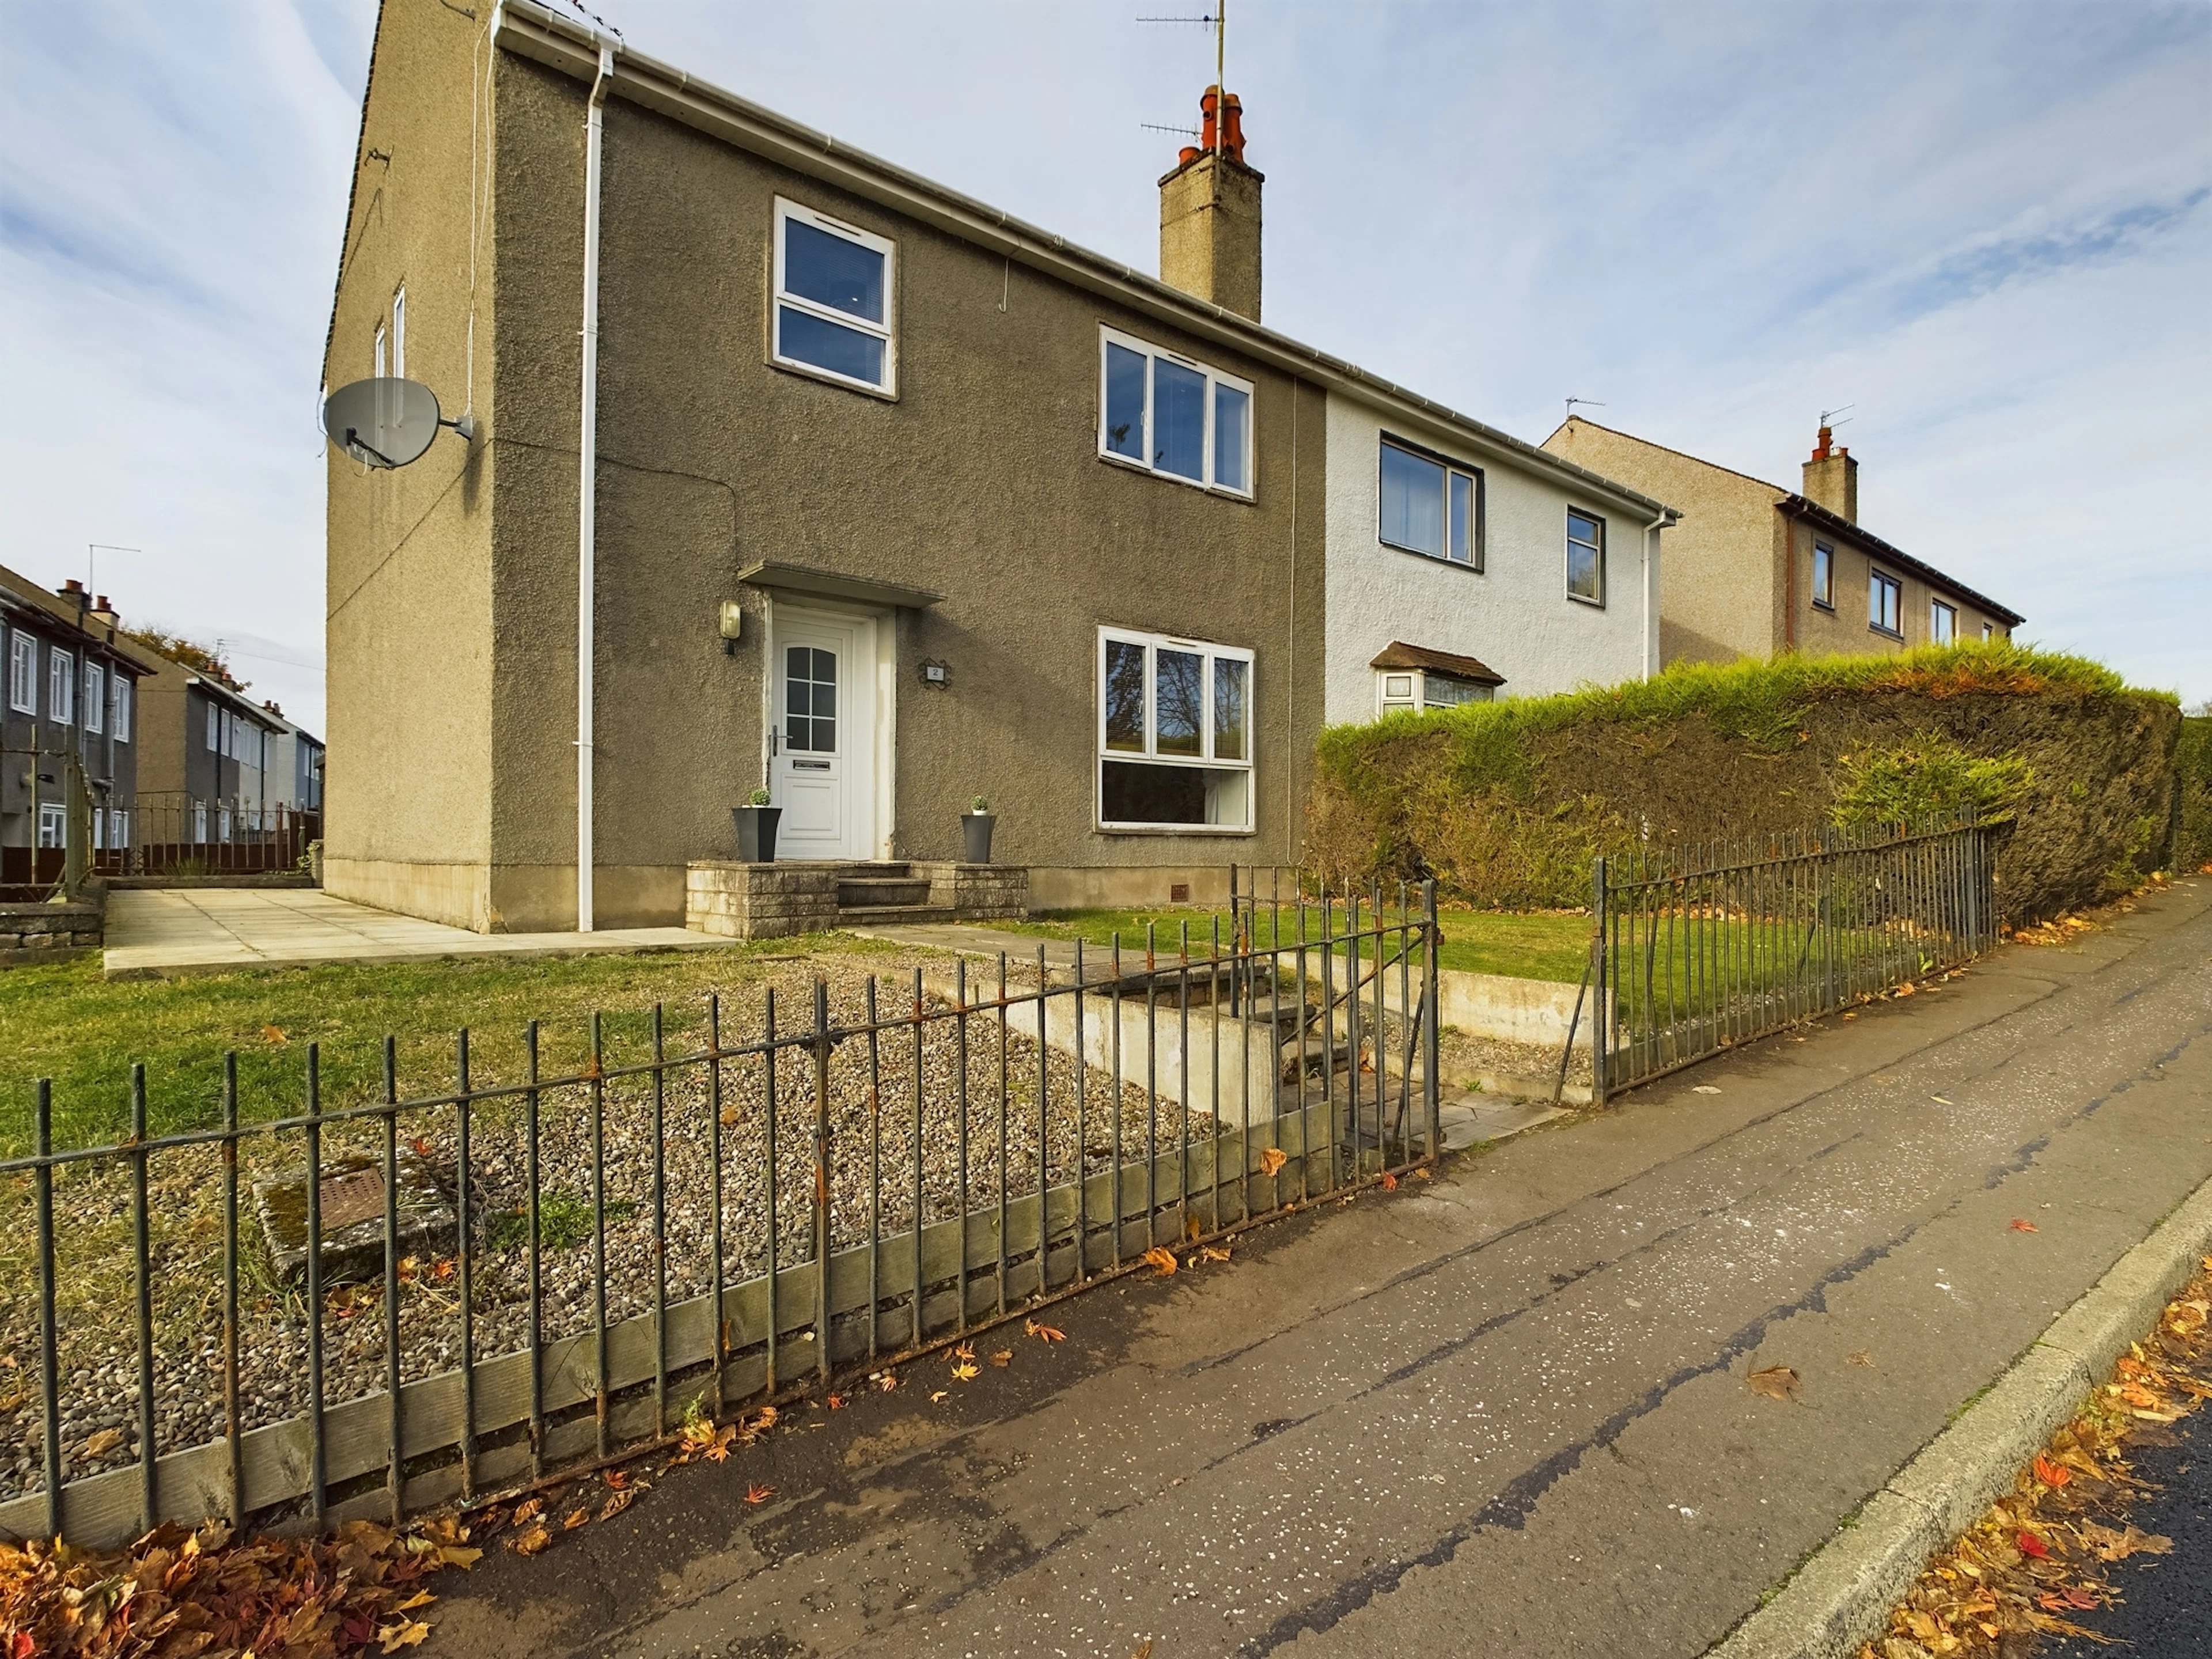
[
  {"x": 759, "y": 901},
  {"x": 51, "y": 933}
]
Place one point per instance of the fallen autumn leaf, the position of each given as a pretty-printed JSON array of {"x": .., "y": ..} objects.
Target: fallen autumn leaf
[
  {"x": 1163, "y": 1260},
  {"x": 1776, "y": 1383}
]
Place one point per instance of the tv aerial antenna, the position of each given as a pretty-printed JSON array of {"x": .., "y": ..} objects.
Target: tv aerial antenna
[
  {"x": 1218, "y": 20},
  {"x": 1586, "y": 402},
  {"x": 1828, "y": 415},
  {"x": 94, "y": 548}
]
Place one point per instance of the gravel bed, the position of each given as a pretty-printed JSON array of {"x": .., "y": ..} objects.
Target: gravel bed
[{"x": 872, "y": 1167}]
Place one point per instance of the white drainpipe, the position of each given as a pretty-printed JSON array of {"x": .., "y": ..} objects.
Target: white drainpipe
[
  {"x": 588, "y": 490},
  {"x": 1666, "y": 515}
]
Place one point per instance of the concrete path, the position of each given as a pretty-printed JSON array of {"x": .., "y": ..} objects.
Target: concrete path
[
  {"x": 1503, "y": 1412},
  {"x": 204, "y": 930}
]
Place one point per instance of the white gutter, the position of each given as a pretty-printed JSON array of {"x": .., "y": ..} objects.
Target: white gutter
[{"x": 588, "y": 488}]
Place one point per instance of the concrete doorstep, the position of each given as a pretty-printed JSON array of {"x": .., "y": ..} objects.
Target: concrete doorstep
[{"x": 1842, "y": 1595}]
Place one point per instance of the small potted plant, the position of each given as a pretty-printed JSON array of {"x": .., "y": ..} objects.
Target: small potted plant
[
  {"x": 976, "y": 825},
  {"x": 756, "y": 829}
]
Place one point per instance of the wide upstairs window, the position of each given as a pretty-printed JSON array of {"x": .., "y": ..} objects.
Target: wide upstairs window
[
  {"x": 1585, "y": 557},
  {"x": 1175, "y": 733},
  {"x": 1885, "y": 604},
  {"x": 1430, "y": 506},
  {"x": 1824, "y": 575},
  {"x": 22, "y": 673},
  {"x": 1174, "y": 416},
  {"x": 833, "y": 300},
  {"x": 1942, "y": 622}
]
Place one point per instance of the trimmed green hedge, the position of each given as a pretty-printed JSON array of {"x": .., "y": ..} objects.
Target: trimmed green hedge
[{"x": 1507, "y": 802}]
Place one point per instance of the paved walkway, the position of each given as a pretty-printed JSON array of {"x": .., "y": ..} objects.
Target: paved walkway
[
  {"x": 1503, "y": 1411},
  {"x": 204, "y": 930}
]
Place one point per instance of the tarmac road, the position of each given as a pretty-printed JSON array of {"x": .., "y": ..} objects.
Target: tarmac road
[
  {"x": 1503, "y": 1411},
  {"x": 2166, "y": 1607}
]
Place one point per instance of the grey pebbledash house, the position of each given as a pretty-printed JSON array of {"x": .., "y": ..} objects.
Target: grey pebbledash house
[{"x": 793, "y": 469}]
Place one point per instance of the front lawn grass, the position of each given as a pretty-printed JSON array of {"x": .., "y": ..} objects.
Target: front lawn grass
[
  {"x": 68, "y": 1024},
  {"x": 1524, "y": 946}
]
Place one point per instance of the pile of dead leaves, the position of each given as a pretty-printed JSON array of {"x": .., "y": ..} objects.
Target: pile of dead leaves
[
  {"x": 176, "y": 1593},
  {"x": 2038, "y": 1557},
  {"x": 2059, "y": 930}
]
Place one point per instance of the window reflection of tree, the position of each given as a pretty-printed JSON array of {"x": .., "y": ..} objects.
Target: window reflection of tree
[
  {"x": 1125, "y": 696},
  {"x": 1181, "y": 694}
]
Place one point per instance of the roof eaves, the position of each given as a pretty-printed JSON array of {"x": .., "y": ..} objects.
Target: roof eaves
[
  {"x": 533, "y": 31},
  {"x": 1813, "y": 512}
]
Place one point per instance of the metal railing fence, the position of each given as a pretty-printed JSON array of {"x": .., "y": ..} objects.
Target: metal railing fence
[
  {"x": 376, "y": 1306},
  {"x": 1695, "y": 950}
]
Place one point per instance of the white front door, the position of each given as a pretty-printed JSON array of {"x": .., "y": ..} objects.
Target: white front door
[{"x": 822, "y": 768}]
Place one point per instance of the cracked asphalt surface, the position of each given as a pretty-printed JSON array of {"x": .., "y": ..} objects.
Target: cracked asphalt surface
[{"x": 1502, "y": 1411}]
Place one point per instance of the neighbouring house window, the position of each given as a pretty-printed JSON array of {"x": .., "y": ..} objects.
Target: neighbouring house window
[
  {"x": 1400, "y": 690},
  {"x": 1585, "y": 557},
  {"x": 1175, "y": 733},
  {"x": 199, "y": 823},
  {"x": 1427, "y": 505},
  {"x": 118, "y": 830},
  {"x": 54, "y": 824},
  {"x": 61, "y": 686},
  {"x": 95, "y": 697},
  {"x": 833, "y": 299},
  {"x": 399, "y": 335},
  {"x": 1173, "y": 415},
  {"x": 121, "y": 710},
  {"x": 222, "y": 822},
  {"x": 215, "y": 729},
  {"x": 23, "y": 672},
  {"x": 380, "y": 351},
  {"x": 1824, "y": 576},
  {"x": 1885, "y": 602},
  {"x": 1989, "y": 633},
  {"x": 1942, "y": 622}
]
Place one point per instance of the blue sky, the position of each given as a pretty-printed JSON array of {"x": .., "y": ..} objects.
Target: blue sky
[{"x": 1987, "y": 227}]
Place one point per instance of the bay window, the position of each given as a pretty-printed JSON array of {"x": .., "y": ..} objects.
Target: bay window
[
  {"x": 1174, "y": 416},
  {"x": 1175, "y": 733}
]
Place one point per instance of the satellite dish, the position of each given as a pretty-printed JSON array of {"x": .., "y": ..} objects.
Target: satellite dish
[{"x": 386, "y": 423}]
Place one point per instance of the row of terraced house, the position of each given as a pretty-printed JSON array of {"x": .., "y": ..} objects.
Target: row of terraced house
[
  {"x": 143, "y": 764},
  {"x": 791, "y": 470}
]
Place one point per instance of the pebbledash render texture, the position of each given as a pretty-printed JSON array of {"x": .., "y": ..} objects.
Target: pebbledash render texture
[{"x": 898, "y": 502}]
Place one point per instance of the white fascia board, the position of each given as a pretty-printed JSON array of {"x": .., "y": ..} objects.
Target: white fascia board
[{"x": 530, "y": 30}]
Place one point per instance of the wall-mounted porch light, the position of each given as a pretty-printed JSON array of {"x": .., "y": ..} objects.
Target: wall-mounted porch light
[{"x": 733, "y": 625}]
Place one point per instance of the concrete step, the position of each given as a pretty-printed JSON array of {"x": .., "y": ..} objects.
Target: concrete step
[
  {"x": 884, "y": 915},
  {"x": 873, "y": 891}
]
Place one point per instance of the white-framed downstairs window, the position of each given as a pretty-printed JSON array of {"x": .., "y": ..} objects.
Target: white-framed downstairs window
[
  {"x": 121, "y": 710},
  {"x": 60, "y": 687},
  {"x": 1404, "y": 690},
  {"x": 22, "y": 671},
  {"x": 1175, "y": 733},
  {"x": 833, "y": 295},
  {"x": 1173, "y": 415},
  {"x": 95, "y": 697},
  {"x": 53, "y": 824},
  {"x": 119, "y": 830}
]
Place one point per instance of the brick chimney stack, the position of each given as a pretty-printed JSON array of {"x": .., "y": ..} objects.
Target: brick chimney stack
[
  {"x": 1831, "y": 477},
  {"x": 1210, "y": 214}
]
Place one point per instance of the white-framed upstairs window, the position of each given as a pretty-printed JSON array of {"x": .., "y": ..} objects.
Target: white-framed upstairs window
[
  {"x": 1175, "y": 733},
  {"x": 22, "y": 671},
  {"x": 95, "y": 697},
  {"x": 834, "y": 296},
  {"x": 60, "y": 687},
  {"x": 1585, "y": 556},
  {"x": 1173, "y": 415},
  {"x": 1428, "y": 505},
  {"x": 122, "y": 711},
  {"x": 214, "y": 728},
  {"x": 1942, "y": 622}
]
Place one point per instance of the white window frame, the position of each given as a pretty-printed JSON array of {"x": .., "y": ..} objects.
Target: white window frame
[
  {"x": 887, "y": 330},
  {"x": 1478, "y": 508},
  {"x": 22, "y": 671},
  {"x": 379, "y": 351},
  {"x": 1567, "y": 551},
  {"x": 1937, "y": 633},
  {"x": 1824, "y": 564},
  {"x": 1415, "y": 698},
  {"x": 399, "y": 333},
  {"x": 122, "y": 694},
  {"x": 119, "y": 830},
  {"x": 53, "y": 825},
  {"x": 1215, "y": 378},
  {"x": 1204, "y": 762},
  {"x": 95, "y": 697},
  {"x": 61, "y": 686}
]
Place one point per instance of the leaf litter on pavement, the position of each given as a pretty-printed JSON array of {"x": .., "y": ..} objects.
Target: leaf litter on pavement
[{"x": 2036, "y": 1559}]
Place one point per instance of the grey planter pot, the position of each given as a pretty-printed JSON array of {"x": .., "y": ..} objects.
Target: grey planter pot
[
  {"x": 757, "y": 832},
  {"x": 975, "y": 833}
]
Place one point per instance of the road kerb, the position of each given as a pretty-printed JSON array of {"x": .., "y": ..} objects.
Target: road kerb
[{"x": 1842, "y": 1595}]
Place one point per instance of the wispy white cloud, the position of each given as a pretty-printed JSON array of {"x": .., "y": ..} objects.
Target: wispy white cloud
[{"x": 1986, "y": 225}]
